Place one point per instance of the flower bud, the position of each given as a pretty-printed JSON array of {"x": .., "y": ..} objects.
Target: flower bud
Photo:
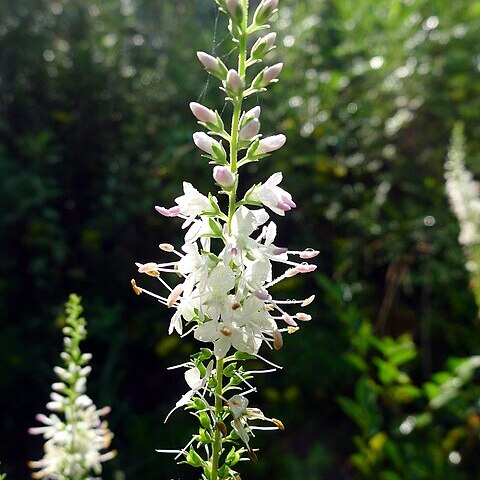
[
  {"x": 205, "y": 143},
  {"x": 250, "y": 130},
  {"x": 253, "y": 112},
  {"x": 267, "y": 76},
  {"x": 270, "y": 144},
  {"x": 234, "y": 82},
  {"x": 264, "y": 11},
  {"x": 203, "y": 114},
  {"x": 263, "y": 45},
  {"x": 235, "y": 10},
  {"x": 213, "y": 65},
  {"x": 223, "y": 176}
]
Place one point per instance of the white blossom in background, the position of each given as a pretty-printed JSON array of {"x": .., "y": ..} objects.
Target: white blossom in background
[
  {"x": 463, "y": 191},
  {"x": 76, "y": 437},
  {"x": 220, "y": 281},
  {"x": 464, "y": 195}
]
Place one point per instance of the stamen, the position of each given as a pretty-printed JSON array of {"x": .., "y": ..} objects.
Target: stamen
[
  {"x": 174, "y": 295},
  {"x": 166, "y": 247},
  {"x": 226, "y": 331},
  {"x": 303, "y": 317},
  {"x": 308, "y": 301},
  {"x": 136, "y": 289},
  {"x": 277, "y": 340}
]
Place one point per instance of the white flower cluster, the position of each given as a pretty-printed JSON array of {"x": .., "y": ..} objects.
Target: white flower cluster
[
  {"x": 74, "y": 433},
  {"x": 463, "y": 191},
  {"x": 223, "y": 297}
]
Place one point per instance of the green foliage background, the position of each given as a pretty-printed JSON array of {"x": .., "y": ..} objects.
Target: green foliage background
[{"x": 95, "y": 129}]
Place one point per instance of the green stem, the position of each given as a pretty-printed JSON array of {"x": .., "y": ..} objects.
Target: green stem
[
  {"x": 237, "y": 110},
  {"x": 217, "y": 442}
]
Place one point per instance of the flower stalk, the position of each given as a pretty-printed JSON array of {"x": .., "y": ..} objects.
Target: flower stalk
[{"x": 228, "y": 260}]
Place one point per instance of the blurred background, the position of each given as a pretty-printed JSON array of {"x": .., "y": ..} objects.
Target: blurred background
[{"x": 95, "y": 130}]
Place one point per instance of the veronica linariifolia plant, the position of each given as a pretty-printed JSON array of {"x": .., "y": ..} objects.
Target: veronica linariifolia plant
[
  {"x": 464, "y": 195},
  {"x": 76, "y": 438},
  {"x": 229, "y": 259}
]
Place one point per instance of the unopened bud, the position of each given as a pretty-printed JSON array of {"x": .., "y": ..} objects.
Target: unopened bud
[
  {"x": 205, "y": 143},
  {"x": 235, "y": 10},
  {"x": 250, "y": 130},
  {"x": 203, "y": 114},
  {"x": 223, "y": 176},
  {"x": 277, "y": 340},
  {"x": 137, "y": 290},
  {"x": 213, "y": 65},
  {"x": 263, "y": 45},
  {"x": 264, "y": 11},
  {"x": 271, "y": 74},
  {"x": 270, "y": 144},
  {"x": 234, "y": 82},
  {"x": 253, "y": 112}
]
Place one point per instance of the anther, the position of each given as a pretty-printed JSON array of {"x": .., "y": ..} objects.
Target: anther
[{"x": 136, "y": 289}]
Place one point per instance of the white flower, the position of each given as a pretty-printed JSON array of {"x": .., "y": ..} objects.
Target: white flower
[
  {"x": 272, "y": 196},
  {"x": 219, "y": 283},
  {"x": 196, "y": 382}
]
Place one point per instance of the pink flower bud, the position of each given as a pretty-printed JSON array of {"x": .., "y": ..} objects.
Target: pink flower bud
[
  {"x": 223, "y": 176},
  {"x": 264, "y": 11},
  {"x": 250, "y": 130},
  {"x": 234, "y": 81},
  {"x": 271, "y": 74},
  {"x": 203, "y": 114},
  {"x": 263, "y": 45},
  {"x": 234, "y": 8},
  {"x": 213, "y": 65},
  {"x": 204, "y": 142},
  {"x": 270, "y": 144},
  {"x": 254, "y": 112}
]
